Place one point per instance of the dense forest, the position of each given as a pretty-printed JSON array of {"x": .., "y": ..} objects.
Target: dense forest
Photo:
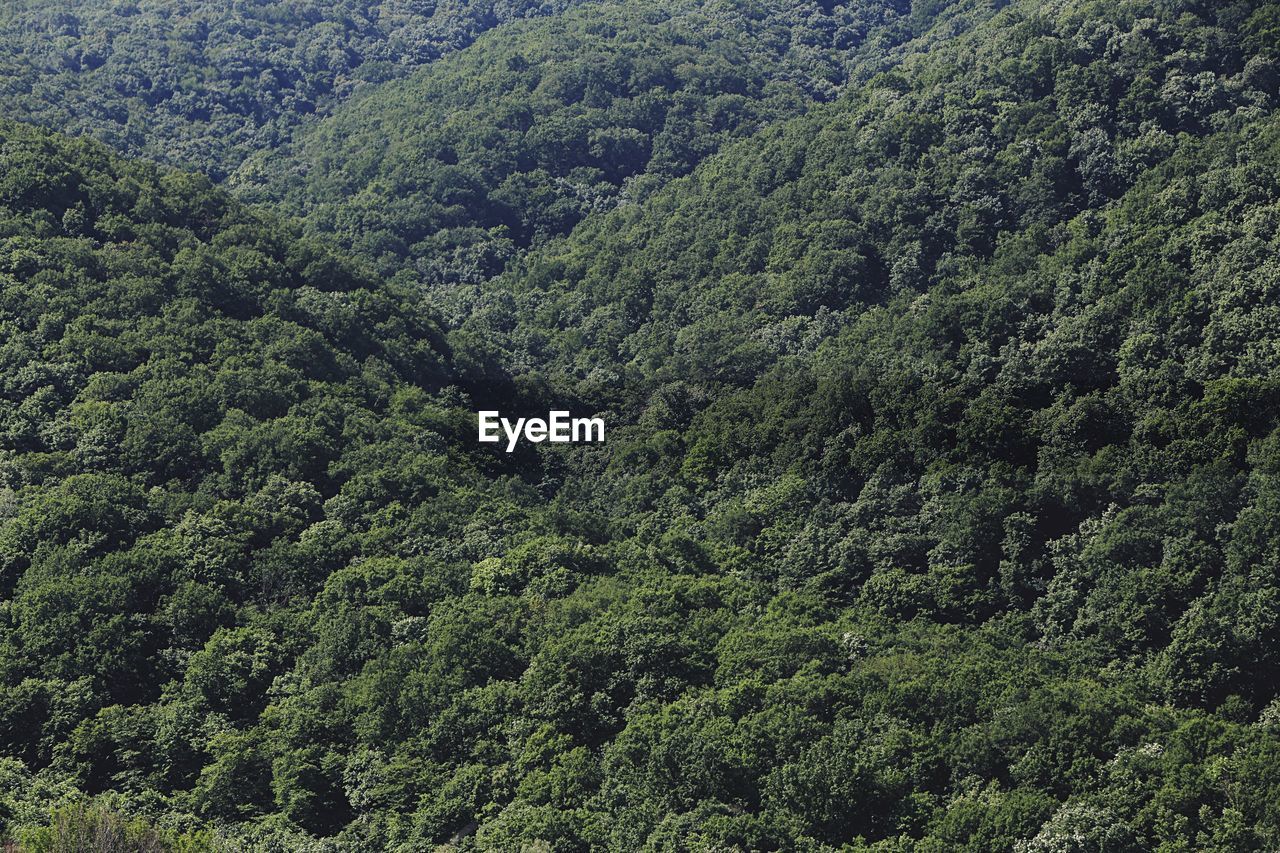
[
  {"x": 471, "y": 160},
  {"x": 208, "y": 84},
  {"x": 939, "y": 345}
]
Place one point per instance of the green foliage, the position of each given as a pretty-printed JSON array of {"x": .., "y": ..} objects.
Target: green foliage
[
  {"x": 939, "y": 506},
  {"x": 89, "y": 827},
  {"x": 538, "y": 125},
  {"x": 208, "y": 84}
]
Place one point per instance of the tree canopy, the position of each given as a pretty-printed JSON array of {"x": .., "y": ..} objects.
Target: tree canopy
[{"x": 938, "y": 345}]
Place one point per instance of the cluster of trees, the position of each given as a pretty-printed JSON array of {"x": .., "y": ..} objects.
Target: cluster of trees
[
  {"x": 1009, "y": 130},
  {"x": 939, "y": 507},
  {"x": 203, "y": 414},
  {"x": 458, "y": 168},
  {"x": 205, "y": 84}
]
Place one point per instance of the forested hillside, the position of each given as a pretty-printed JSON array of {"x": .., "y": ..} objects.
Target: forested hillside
[
  {"x": 458, "y": 168},
  {"x": 939, "y": 345},
  {"x": 207, "y": 83},
  {"x": 206, "y": 420},
  {"x": 1007, "y": 132}
]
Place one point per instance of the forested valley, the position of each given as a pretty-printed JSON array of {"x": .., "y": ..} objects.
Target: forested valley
[{"x": 939, "y": 348}]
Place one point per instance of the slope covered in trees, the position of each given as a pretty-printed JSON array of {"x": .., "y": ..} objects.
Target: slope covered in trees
[
  {"x": 1008, "y": 131},
  {"x": 466, "y": 163},
  {"x": 938, "y": 510},
  {"x": 206, "y": 83},
  {"x": 203, "y": 417}
]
